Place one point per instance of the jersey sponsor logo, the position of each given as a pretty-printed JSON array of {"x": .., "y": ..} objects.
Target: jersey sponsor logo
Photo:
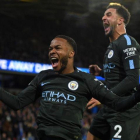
[
  {"x": 44, "y": 83},
  {"x": 108, "y": 67},
  {"x": 130, "y": 52},
  {"x": 73, "y": 85},
  {"x": 58, "y": 97},
  {"x": 110, "y": 54}
]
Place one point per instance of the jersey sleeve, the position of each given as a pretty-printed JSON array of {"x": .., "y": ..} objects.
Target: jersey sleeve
[
  {"x": 127, "y": 85},
  {"x": 25, "y": 97},
  {"x": 129, "y": 51},
  {"x": 129, "y": 55},
  {"x": 107, "y": 97}
]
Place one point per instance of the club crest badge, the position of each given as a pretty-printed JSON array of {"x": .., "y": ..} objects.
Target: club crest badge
[
  {"x": 73, "y": 85},
  {"x": 110, "y": 54}
]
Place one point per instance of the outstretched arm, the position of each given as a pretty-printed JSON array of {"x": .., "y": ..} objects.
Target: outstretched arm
[
  {"x": 112, "y": 100},
  {"x": 98, "y": 91},
  {"x": 24, "y": 98}
]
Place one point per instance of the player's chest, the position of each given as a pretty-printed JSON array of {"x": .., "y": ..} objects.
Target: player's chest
[
  {"x": 63, "y": 84},
  {"x": 112, "y": 55},
  {"x": 63, "y": 89}
]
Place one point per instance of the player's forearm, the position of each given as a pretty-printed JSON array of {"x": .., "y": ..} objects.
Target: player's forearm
[
  {"x": 126, "y": 86},
  {"x": 122, "y": 103},
  {"x": 16, "y": 102},
  {"x": 113, "y": 101},
  {"x": 9, "y": 99}
]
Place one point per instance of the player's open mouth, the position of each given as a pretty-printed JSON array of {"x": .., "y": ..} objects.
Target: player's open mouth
[
  {"x": 54, "y": 62},
  {"x": 106, "y": 27}
]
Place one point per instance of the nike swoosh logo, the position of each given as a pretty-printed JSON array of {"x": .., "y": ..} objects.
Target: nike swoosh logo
[{"x": 42, "y": 84}]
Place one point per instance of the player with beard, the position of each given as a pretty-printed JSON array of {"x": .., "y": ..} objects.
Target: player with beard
[
  {"x": 121, "y": 72},
  {"x": 64, "y": 93}
]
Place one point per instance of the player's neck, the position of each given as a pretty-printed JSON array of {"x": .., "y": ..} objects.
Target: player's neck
[
  {"x": 69, "y": 69},
  {"x": 117, "y": 32}
]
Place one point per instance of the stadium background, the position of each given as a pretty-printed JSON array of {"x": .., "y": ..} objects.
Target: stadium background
[{"x": 26, "y": 29}]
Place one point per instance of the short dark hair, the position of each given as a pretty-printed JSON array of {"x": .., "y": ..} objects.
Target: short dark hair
[
  {"x": 70, "y": 40},
  {"x": 121, "y": 10}
]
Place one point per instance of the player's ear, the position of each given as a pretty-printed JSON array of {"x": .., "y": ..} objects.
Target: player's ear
[
  {"x": 120, "y": 20},
  {"x": 71, "y": 54}
]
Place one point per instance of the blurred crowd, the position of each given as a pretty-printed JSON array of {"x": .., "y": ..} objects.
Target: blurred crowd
[{"x": 18, "y": 125}]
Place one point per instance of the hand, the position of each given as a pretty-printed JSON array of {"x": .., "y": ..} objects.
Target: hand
[
  {"x": 95, "y": 70},
  {"x": 92, "y": 103}
]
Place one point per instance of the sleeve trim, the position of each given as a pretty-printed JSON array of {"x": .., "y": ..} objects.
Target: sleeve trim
[{"x": 128, "y": 40}]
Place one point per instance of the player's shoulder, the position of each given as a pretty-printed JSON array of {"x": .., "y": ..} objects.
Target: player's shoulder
[
  {"x": 127, "y": 40},
  {"x": 84, "y": 75},
  {"x": 46, "y": 72},
  {"x": 43, "y": 75},
  {"x": 78, "y": 71},
  {"x": 88, "y": 78}
]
